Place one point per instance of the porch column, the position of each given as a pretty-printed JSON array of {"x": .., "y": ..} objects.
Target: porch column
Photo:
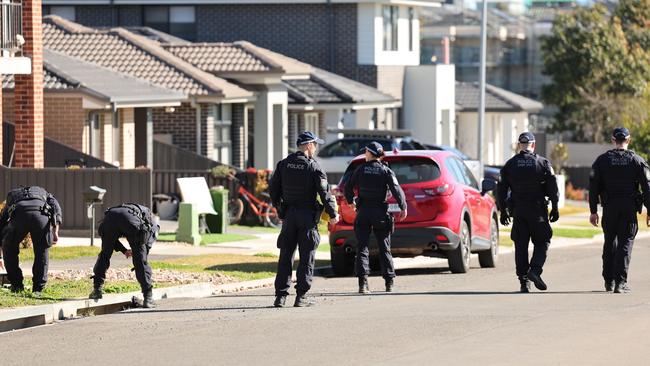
[{"x": 28, "y": 92}]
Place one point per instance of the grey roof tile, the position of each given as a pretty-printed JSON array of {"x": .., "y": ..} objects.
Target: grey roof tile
[
  {"x": 496, "y": 99},
  {"x": 219, "y": 57}
]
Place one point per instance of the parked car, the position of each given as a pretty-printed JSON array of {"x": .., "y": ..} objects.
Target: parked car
[
  {"x": 336, "y": 156},
  {"x": 449, "y": 216},
  {"x": 488, "y": 171}
]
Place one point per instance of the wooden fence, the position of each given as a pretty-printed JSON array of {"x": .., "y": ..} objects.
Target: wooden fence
[{"x": 68, "y": 185}]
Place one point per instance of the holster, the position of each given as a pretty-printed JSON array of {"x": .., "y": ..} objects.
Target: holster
[
  {"x": 638, "y": 202},
  {"x": 282, "y": 210},
  {"x": 319, "y": 211},
  {"x": 391, "y": 223}
]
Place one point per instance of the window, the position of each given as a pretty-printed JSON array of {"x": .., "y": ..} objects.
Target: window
[
  {"x": 222, "y": 126},
  {"x": 179, "y": 21},
  {"x": 415, "y": 171},
  {"x": 65, "y": 12},
  {"x": 461, "y": 172},
  {"x": 390, "y": 17},
  {"x": 311, "y": 123},
  {"x": 411, "y": 28}
]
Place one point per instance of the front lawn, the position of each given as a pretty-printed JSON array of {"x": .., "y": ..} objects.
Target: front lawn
[
  {"x": 59, "y": 290},
  {"x": 239, "y": 267},
  {"x": 63, "y": 253}
]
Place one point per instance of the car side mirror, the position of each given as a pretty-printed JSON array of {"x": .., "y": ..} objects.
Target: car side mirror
[{"x": 488, "y": 185}]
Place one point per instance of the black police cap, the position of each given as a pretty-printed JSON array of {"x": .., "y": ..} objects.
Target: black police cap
[
  {"x": 620, "y": 133},
  {"x": 375, "y": 149},
  {"x": 526, "y": 137},
  {"x": 307, "y": 137}
]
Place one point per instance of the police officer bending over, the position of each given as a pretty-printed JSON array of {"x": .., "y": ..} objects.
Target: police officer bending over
[
  {"x": 528, "y": 179},
  {"x": 294, "y": 185},
  {"x": 615, "y": 180},
  {"x": 35, "y": 211},
  {"x": 137, "y": 224},
  {"x": 374, "y": 179}
]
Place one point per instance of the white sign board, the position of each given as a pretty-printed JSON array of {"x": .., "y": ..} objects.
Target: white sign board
[{"x": 195, "y": 191}]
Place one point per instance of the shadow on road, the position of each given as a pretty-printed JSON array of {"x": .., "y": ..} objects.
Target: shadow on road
[
  {"x": 456, "y": 293},
  {"x": 158, "y": 311}
]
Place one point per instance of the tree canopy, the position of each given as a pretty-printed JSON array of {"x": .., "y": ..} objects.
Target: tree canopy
[{"x": 599, "y": 65}]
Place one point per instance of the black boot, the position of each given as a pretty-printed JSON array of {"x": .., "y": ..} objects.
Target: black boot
[
  {"x": 17, "y": 289},
  {"x": 97, "y": 293},
  {"x": 524, "y": 285},
  {"x": 389, "y": 284},
  {"x": 537, "y": 280},
  {"x": 302, "y": 301},
  {"x": 622, "y": 288},
  {"x": 609, "y": 286},
  {"x": 279, "y": 301},
  {"x": 363, "y": 285},
  {"x": 148, "y": 302}
]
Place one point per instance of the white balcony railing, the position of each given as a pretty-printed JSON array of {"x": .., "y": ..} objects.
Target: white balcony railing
[{"x": 11, "y": 27}]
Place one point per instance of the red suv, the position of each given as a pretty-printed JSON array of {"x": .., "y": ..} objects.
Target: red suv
[{"x": 448, "y": 216}]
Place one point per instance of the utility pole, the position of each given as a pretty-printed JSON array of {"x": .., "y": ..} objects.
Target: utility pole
[{"x": 481, "y": 103}]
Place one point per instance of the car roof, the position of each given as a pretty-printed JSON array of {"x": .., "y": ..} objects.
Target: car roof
[{"x": 435, "y": 154}]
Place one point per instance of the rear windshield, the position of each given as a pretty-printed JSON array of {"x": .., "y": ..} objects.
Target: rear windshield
[
  {"x": 415, "y": 170},
  {"x": 406, "y": 171}
]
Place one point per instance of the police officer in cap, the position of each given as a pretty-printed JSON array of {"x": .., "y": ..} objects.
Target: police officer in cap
[
  {"x": 137, "y": 224},
  {"x": 35, "y": 211},
  {"x": 296, "y": 182},
  {"x": 619, "y": 181},
  {"x": 373, "y": 180},
  {"x": 526, "y": 180}
]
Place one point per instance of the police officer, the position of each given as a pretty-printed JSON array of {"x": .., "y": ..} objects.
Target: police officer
[
  {"x": 137, "y": 224},
  {"x": 528, "y": 179},
  {"x": 35, "y": 211},
  {"x": 615, "y": 179},
  {"x": 373, "y": 180},
  {"x": 296, "y": 182}
]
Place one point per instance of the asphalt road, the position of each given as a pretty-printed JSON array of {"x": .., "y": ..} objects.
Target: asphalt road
[{"x": 434, "y": 318}]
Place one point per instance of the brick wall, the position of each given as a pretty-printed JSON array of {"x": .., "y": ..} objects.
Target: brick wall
[
  {"x": 181, "y": 124},
  {"x": 1, "y": 125},
  {"x": 95, "y": 16},
  {"x": 28, "y": 93},
  {"x": 65, "y": 121}
]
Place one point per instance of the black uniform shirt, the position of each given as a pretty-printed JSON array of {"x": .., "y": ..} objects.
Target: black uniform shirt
[
  {"x": 34, "y": 192},
  {"x": 617, "y": 175},
  {"x": 529, "y": 178},
  {"x": 374, "y": 179},
  {"x": 296, "y": 182}
]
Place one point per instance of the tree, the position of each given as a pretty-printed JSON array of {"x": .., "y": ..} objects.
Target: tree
[{"x": 599, "y": 67}]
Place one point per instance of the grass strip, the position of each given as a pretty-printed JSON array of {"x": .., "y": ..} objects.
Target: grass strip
[{"x": 210, "y": 238}]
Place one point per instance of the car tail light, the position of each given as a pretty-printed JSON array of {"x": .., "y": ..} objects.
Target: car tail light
[
  {"x": 338, "y": 242},
  {"x": 441, "y": 238},
  {"x": 443, "y": 190}
]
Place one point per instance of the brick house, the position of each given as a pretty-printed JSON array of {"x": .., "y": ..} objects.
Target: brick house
[
  {"x": 189, "y": 125},
  {"x": 96, "y": 110},
  {"x": 374, "y": 42}
]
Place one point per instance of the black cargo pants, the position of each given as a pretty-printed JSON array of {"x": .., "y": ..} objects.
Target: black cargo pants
[
  {"x": 375, "y": 219},
  {"x": 620, "y": 227},
  {"x": 531, "y": 223},
  {"x": 27, "y": 218},
  {"x": 117, "y": 223},
  {"x": 299, "y": 229}
]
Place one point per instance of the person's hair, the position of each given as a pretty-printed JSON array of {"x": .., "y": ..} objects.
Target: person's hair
[
  {"x": 526, "y": 145},
  {"x": 303, "y": 147}
]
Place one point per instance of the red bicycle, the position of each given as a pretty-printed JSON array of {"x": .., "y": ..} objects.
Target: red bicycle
[{"x": 262, "y": 208}]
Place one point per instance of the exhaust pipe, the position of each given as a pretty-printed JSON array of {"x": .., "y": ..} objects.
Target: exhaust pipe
[
  {"x": 433, "y": 246},
  {"x": 348, "y": 249}
]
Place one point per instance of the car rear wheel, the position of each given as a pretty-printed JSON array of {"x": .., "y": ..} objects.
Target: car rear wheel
[
  {"x": 342, "y": 263},
  {"x": 459, "y": 258},
  {"x": 488, "y": 258}
]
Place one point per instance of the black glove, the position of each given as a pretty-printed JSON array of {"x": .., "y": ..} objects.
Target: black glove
[
  {"x": 505, "y": 219},
  {"x": 554, "y": 215}
]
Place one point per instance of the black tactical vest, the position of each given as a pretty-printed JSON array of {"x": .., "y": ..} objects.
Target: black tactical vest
[
  {"x": 26, "y": 193},
  {"x": 297, "y": 181},
  {"x": 619, "y": 174},
  {"x": 372, "y": 182}
]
